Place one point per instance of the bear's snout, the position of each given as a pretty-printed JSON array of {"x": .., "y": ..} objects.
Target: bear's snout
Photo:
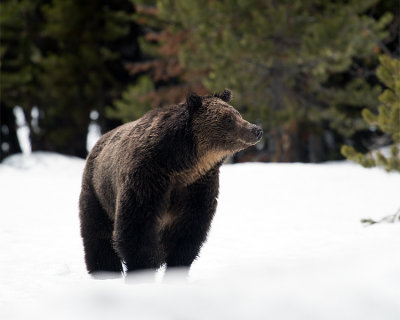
[
  {"x": 258, "y": 132},
  {"x": 250, "y": 133}
]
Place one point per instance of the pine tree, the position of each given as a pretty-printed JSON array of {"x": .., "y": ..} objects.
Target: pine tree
[
  {"x": 82, "y": 67},
  {"x": 292, "y": 65},
  {"x": 387, "y": 119},
  {"x": 160, "y": 77},
  {"x": 20, "y": 25},
  {"x": 67, "y": 58}
]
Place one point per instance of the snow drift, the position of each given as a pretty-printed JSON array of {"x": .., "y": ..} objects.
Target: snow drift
[{"x": 286, "y": 243}]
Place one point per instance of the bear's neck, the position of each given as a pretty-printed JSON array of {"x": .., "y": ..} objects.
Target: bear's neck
[{"x": 205, "y": 162}]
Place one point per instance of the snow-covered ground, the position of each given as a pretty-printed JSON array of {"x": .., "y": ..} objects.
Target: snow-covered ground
[{"x": 286, "y": 243}]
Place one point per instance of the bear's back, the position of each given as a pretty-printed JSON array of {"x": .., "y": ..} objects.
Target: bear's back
[{"x": 148, "y": 141}]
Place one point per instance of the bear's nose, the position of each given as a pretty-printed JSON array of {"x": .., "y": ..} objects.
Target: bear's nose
[{"x": 258, "y": 132}]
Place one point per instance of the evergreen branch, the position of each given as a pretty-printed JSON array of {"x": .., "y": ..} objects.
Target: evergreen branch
[
  {"x": 388, "y": 219},
  {"x": 380, "y": 43}
]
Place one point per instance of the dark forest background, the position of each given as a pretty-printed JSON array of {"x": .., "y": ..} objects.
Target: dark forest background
[{"x": 303, "y": 70}]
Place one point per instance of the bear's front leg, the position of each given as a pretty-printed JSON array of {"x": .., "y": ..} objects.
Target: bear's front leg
[
  {"x": 135, "y": 235},
  {"x": 197, "y": 205}
]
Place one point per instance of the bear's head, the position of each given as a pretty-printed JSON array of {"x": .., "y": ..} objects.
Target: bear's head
[{"x": 219, "y": 127}]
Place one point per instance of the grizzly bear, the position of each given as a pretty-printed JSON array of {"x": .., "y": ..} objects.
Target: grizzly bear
[{"x": 150, "y": 187}]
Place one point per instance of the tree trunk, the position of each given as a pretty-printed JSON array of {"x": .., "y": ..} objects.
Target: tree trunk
[{"x": 8, "y": 133}]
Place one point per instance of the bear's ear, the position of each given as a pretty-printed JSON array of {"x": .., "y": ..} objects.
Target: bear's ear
[
  {"x": 193, "y": 102},
  {"x": 226, "y": 95}
]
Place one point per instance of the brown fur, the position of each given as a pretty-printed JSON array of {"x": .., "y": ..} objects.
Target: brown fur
[{"x": 150, "y": 186}]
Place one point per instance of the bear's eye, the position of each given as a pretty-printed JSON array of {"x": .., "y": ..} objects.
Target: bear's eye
[{"x": 228, "y": 120}]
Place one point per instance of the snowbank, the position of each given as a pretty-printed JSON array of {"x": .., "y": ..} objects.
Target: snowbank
[{"x": 286, "y": 243}]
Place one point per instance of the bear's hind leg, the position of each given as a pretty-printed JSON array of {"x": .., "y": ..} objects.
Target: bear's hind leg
[{"x": 96, "y": 229}]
